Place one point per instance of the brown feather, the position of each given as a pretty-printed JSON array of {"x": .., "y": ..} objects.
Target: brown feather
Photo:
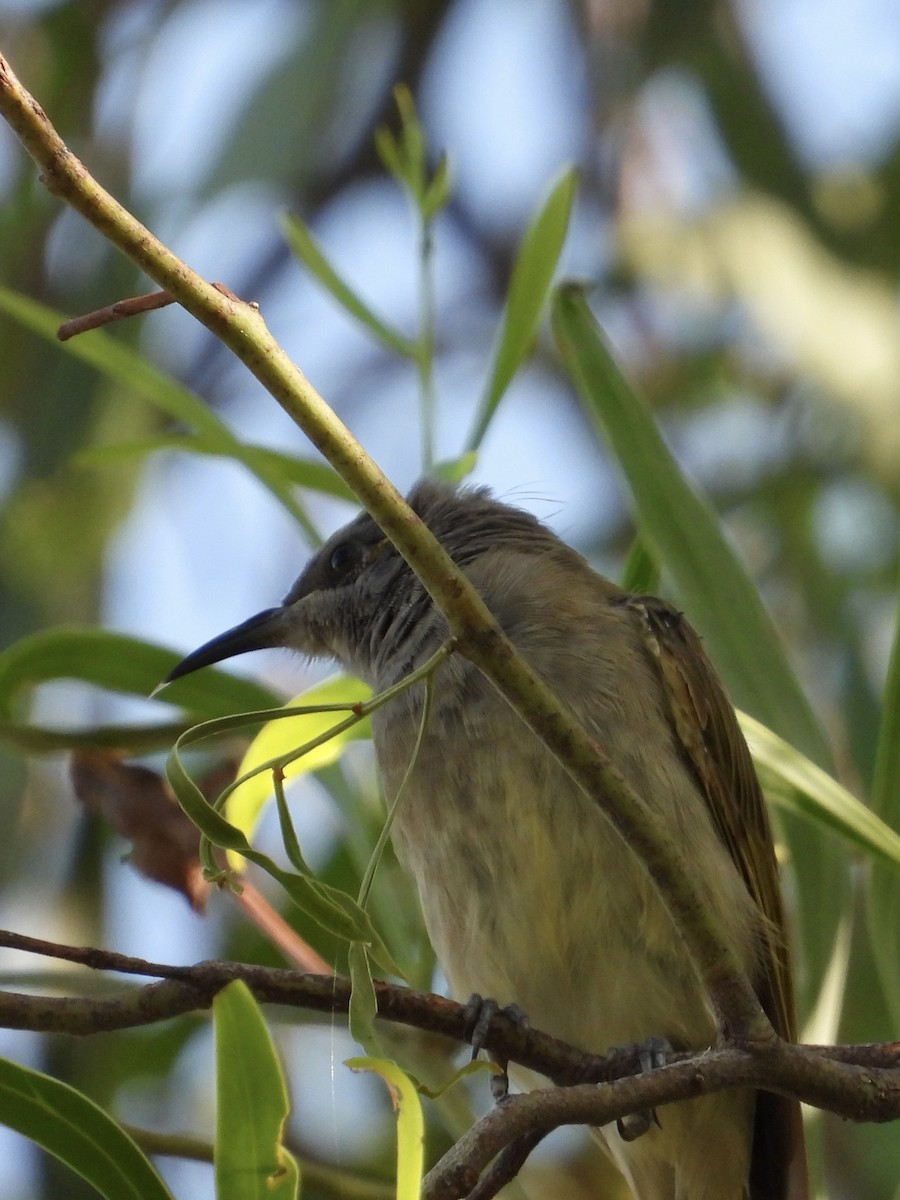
[{"x": 706, "y": 726}]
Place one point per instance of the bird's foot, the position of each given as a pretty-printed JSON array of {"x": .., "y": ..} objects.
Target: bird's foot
[
  {"x": 651, "y": 1054},
  {"x": 479, "y": 1014}
]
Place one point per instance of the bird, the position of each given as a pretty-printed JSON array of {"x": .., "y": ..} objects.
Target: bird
[{"x": 529, "y": 894}]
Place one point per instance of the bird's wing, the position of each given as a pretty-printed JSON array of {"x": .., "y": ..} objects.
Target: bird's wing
[{"x": 705, "y": 725}]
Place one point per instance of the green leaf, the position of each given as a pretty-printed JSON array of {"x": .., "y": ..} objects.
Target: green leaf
[
  {"x": 883, "y": 897},
  {"x": 135, "y": 739},
  {"x": 316, "y": 476},
  {"x": 683, "y": 532},
  {"x": 477, "y": 1066},
  {"x": 455, "y": 470},
  {"x": 363, "y": 1002},
  {"x": 304, "y": 245},
  {"x": 335, "y": 911},
  {"x": 437, "y": 193},
  {"x": 406, "y": 156},
  {"x": 138, "y": 378},
  {"x": 251, "y": 1161},
  {"x": 812, "y": 793},
  {"x": 641, "y": 573},
  {"x": 78, "y": 1132},
  {"x": 410, "y": 1123},
  {"x": 122, "y": 664},
  {"x": 531, "y": 278}
]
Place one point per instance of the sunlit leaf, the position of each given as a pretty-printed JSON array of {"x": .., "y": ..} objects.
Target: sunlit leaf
[
  {"x": 410, "y": 1123},
  {"x": 811, "y": 792},
  {"x": 280, "y": 737}
]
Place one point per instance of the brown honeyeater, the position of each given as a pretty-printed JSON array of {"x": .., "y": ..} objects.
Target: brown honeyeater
[{"x": 529, "y": 894}]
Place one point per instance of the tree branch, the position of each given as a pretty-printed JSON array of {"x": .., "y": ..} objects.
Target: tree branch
[
  {"x": 859, "y": 1082},
  {"x": 241, "y": 327}
]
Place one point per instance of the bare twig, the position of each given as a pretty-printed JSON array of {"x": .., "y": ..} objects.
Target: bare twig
[{"x": 132, "y": 307}]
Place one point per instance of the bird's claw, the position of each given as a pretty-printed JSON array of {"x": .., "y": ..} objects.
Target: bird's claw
[
  {"x": 479, "y": 1014},
  {"x": 651, "y": 1054}
]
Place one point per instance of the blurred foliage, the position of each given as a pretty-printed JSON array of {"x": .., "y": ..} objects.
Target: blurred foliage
[{"x": 748, "y": 287}]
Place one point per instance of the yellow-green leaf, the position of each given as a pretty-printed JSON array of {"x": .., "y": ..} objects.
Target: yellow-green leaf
[
  {"x": 410, "y": 1123},
  {"x": 280, "y": 737}
]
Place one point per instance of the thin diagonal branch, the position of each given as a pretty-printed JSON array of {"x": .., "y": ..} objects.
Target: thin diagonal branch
[{"x": 241, "y": 327}]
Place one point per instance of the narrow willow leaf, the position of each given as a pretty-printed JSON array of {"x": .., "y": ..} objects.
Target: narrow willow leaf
[
  {"x": 528, "y": 289},
  {"x": 251, "y": 1161},
  {"x": 683, "y": 532},
  {"x": 213, "y": 826},
  {"x": 388, "y": 149},
  {"x": 120, "y": 363},
  {"x": 303, "y": 244},
  {"x": 122, "y": 664},
  {"x": 139, "y": 379},
  {"x": 132, "y": 739},
  {"x": 335, "y": 911},
  {"x": 477, "y": 1066},
  {"x": 316, "y": 476},
  {"x": 813, "y": 793},
  {"x": 80, "y": 1134},
  {"x": 363, "y": 1003},
  {"x": 641, "y": 573},
  {"x": 455, "y": 470},
  {"x": 438, "y": 191},
  {"x": 883, "y": 898},
  {"x": 410, "y": 1123}
]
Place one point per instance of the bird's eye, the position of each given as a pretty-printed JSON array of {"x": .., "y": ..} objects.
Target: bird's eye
[{"x": 341, "y": 557}]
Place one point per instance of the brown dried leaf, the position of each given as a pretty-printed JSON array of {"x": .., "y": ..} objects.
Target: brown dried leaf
[{"x": 141, "y": 807}]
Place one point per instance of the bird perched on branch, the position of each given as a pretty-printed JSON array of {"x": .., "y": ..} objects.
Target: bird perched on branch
[{"x": 529, "y": 894}]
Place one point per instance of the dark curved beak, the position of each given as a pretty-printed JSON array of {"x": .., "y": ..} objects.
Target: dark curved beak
[{"x": 261, "y": 632}]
